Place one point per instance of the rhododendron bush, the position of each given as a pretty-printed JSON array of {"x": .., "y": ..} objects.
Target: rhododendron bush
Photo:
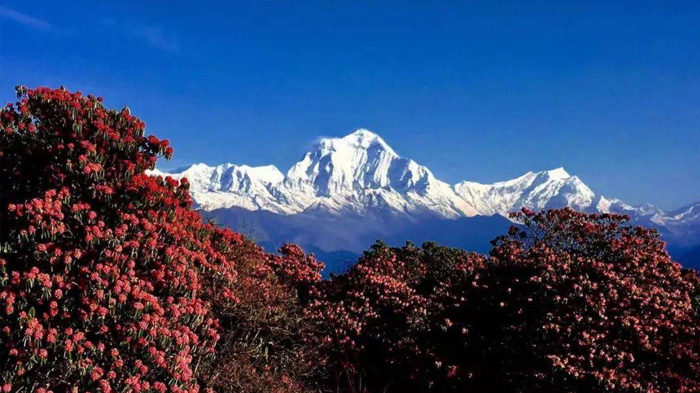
[
  {"x": 107, "y": 275},
  {"x": 266, "y": 343},
  {"x": 567, "y": 302},
  {"x": 100, "y": 284},
  {"x": 577, "y": 302},
  {"x": 377, "y": 321}
]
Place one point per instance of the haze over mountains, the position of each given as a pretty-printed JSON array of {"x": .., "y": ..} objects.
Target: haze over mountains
[{"x": 346, "y": 192}]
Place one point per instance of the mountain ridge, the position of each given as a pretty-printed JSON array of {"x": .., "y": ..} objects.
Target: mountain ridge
[
  {"x": 346, "y": 192},
  {"x": 360, "y": 174}
]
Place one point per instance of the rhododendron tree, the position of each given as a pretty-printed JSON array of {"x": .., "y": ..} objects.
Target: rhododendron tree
[
  {"x": 267, "y": 345},
  {"x": 375, "y": 321},
  {"x": 578, "y": 303},
  {"x": 566, "y": 302},
  {"x": 106, "y": 274}
]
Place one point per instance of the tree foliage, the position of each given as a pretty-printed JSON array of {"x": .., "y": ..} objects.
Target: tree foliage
[
  {"x": 566, "y": 302},
  {"x": 267, "y": 344},
  {"x": 109, "y": 280},
  {"x": 377, "y": 320}
]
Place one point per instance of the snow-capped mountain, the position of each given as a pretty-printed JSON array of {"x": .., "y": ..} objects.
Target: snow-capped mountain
[
  {"x": 346, "y": 192},
  {"x": 538, "y": 191},
  {"x": 682, "y": 224},
  {"x": 551, "y": 189},
  {"x": 359, "y": 175},
  {"x": 687, "y": 214},
  {"x": 229, "y": 185}
]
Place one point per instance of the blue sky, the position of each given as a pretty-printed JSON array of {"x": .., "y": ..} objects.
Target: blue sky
[{"x": 481, "y": 90}]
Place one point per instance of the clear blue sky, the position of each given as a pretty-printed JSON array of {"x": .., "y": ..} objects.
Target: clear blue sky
[{"x": 480, "y": 90}]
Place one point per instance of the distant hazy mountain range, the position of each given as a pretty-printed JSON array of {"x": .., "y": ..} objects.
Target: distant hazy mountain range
[{"x": 347, "y": 192}]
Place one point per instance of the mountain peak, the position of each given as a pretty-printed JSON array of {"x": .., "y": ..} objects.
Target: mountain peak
[
  {"x": 558, "y": 174},
  {"x": 359, "y": 139},
  {"x": 535, "y": 190},
  {"x": 362, "y": 134}
]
